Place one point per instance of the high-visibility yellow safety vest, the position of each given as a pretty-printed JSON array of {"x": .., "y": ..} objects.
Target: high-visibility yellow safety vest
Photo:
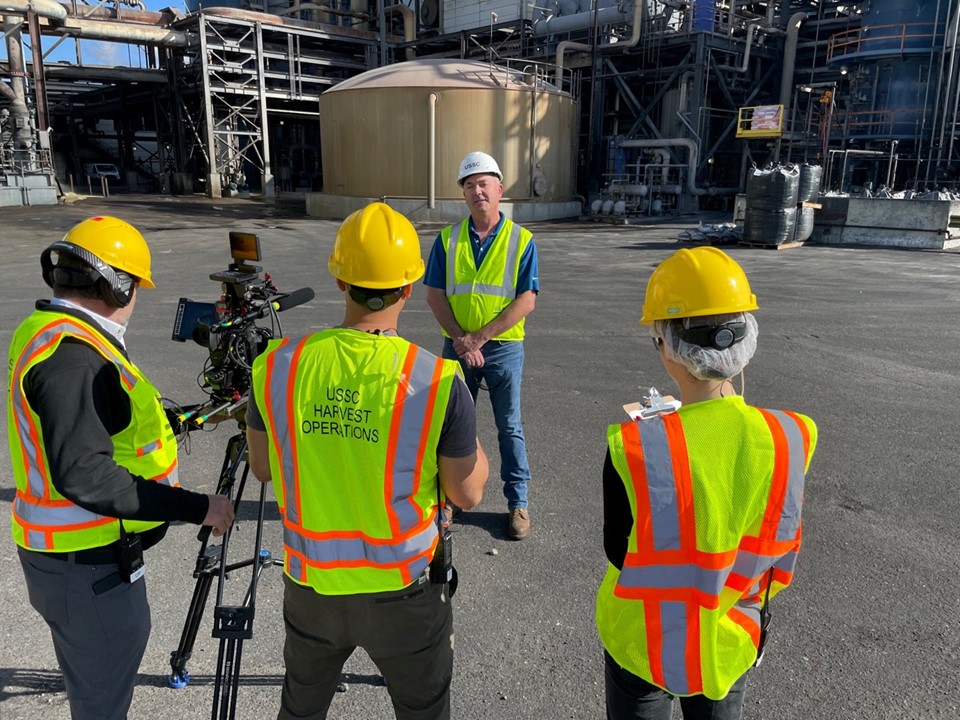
[
  {"x": 716, "y": 492},
  {"x": 353, "y": 421},
  {"x": 44, "y": 520},
  {"x": 477, "y": 296}
]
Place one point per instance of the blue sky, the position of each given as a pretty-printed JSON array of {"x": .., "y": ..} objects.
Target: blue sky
[{"x": 93, "y": 52}]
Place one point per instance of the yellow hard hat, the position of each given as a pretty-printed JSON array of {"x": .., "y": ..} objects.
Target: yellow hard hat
[
  {"x": 695, "y": 282},
  {"x": 376, "y": 247},
  {"x": 117, "y": 243}
]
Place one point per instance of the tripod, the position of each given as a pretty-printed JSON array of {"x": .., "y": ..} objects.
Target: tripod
[{"x": 232, "y": 624}]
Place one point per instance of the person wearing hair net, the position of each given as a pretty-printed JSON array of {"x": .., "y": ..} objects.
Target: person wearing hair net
[{"x": 701, "y": 506}]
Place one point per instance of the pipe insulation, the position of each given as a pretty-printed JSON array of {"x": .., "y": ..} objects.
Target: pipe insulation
[
  {"x": 581, "y": 21},
  {"x": 636, "y": 29},
  {"x": 44, "y": 8},
  {"x": 120, "y": 31}
]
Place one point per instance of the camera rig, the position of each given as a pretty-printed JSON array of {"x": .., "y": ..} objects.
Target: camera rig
[{"x": 228, "y": 329}]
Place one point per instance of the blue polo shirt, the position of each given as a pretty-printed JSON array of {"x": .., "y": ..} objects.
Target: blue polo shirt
[{"x": 527, "y": 279}]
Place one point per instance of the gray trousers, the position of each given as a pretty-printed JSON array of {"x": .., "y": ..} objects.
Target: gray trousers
[
  {"x": 407, "y": 633},
  {"x": 99, "y": 639}
]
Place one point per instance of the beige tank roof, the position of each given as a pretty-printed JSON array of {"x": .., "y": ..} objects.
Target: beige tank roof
[{"x": 442, "y": 73}]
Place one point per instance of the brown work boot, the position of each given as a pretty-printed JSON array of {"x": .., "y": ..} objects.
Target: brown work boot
[{"x": 519, "y": 526}]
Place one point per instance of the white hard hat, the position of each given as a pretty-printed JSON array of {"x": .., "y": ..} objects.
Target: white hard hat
[{"x": 477, "y": 163}]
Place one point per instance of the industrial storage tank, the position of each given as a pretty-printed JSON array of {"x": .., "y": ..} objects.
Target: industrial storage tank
[
  {"x": 380, "y": 130},
  {"x": 890, "y": 65}
]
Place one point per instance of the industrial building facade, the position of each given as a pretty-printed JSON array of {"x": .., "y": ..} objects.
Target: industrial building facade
[{"x": 675, "y": 101}]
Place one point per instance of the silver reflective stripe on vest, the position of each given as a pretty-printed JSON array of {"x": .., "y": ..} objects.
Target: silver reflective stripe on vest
[
  {"x": 796, "y": 461},
  {"x": 294, "y": 564},
  {"x": 281, "y": 374},
  {"x": 452, "y": 242},
  {"x": 403, "y": 466},
  {"x": 750, "y": 565},
  {"x": 673, "y": 620},
  {"x": 751, "y": 609},
  {"x": 173, "y": 479},
  {"x": 506, "y": 289},
  {"x": 147, "y": 449},
  {"x": 353, "y": 550},
  {"x": 661, "y": 485},
  {"x": 691, "y": 576},
  {"x": 35, "y": 480},
  {"x": 787, "y": 563},
  {"x": 53, "y": 516}
]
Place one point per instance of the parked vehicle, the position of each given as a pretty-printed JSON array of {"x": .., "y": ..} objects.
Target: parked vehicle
[{"x": 101, "y": 170}]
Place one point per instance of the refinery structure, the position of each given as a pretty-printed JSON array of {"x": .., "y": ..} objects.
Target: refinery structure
[{"x": 654, "y": 106}]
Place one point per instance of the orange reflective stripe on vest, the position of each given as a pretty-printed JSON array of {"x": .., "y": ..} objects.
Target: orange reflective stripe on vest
[
  {"x": 674, "y": 577},
  {"x": 34, "y": 464}
]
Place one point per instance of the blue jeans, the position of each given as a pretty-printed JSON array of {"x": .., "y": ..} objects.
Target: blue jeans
[
  {"x": 500, "y": 375},
  {"x": 632, "y": 698}
]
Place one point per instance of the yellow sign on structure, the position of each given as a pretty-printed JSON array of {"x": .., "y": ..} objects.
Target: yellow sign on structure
[{"x": 760, "y": 121}]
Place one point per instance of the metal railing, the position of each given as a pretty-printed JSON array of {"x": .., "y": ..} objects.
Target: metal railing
[{"x": 895, "y": 38}]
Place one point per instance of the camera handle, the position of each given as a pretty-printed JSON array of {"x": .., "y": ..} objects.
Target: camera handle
[{"x": 232, "y": 623}]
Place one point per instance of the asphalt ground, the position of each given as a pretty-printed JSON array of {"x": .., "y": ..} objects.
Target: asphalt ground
[{"x": 862, "y": 340}]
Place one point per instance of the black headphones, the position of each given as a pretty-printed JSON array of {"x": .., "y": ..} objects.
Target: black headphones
[
  {"x": 375, "y": 300},
  {"x": 114, "y": 287},
  {"x": 718, "y": 337}
]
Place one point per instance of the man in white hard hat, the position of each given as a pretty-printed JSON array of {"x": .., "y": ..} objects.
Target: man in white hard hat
[{"x": 481, "y": 298}]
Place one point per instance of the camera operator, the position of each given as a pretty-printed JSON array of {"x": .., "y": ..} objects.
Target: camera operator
[
  {"x": 95, "y": 465},
  {"x": 359, "y": 430}
]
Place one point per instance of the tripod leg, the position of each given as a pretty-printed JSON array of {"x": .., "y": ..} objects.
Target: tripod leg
[
  {"x": 179, "y": 675},
  {"x": 208, "y": 563}
]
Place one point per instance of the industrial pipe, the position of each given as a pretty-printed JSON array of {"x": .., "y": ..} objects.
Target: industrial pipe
[
  {"x": 789, "y": 58},
  {"x": 315, "y": 7},
  {"x": 636, "y": 30},
  {"x": 16, "y": 91},
  {"x": 742, "y": 68},
  {"x": 119, "y": 31},
  {"x": 100, "y": 12},
  {"x": 689, "y": 144},
  {"x": 267, "y": 19},
  {"x": 432, "y": 100},
  {"x": 409, "y": 26},
  {"x": 580, "y": 21},
  {"x": 950, "y": 85},
  {"x": 663, "y": 158},
  {"x": 43, "y": 8}
]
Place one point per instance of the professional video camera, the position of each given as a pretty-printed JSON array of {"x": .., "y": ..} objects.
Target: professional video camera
[{"x": 228, "y": 328}]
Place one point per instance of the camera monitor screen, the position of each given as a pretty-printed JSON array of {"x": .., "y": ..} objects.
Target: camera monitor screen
[
  {"x": 244, "y": 247},
  {"x": 191, "y": 316}
]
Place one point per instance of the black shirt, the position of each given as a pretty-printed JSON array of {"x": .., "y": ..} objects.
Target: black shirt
[
  {"x": 617, "y": 516},
  {"x": 77, "y": 395}
]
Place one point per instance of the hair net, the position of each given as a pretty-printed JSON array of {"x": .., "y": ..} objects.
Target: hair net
[{"x": 707, "y": 363}]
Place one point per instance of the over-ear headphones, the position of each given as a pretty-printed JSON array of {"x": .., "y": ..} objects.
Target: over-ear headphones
[
  {"x": 114, "y": 287},
  {"x": 375, "y": 300},
  {"x": 718, "y": 337}
]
